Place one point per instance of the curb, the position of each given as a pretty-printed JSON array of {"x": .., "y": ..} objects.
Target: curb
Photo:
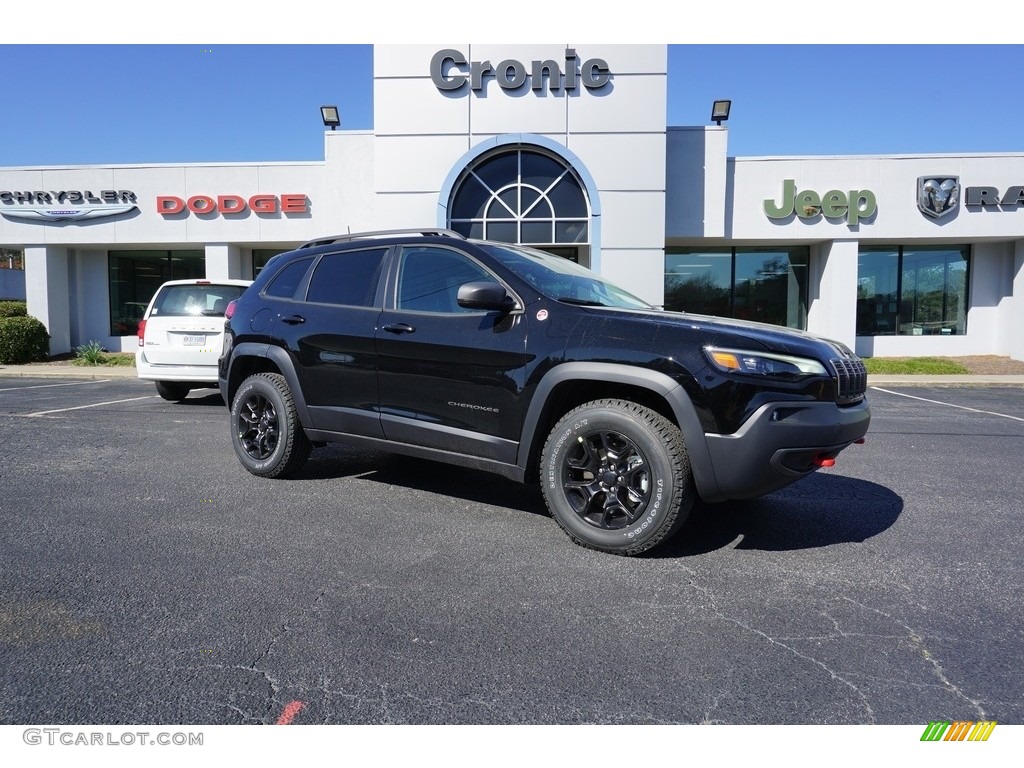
[
  {"x": 43, "y": 371},
  {"x": 983, "y": 380}
]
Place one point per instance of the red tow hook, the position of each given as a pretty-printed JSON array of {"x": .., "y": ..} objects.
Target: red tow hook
[{"x": 820, "y": 461}]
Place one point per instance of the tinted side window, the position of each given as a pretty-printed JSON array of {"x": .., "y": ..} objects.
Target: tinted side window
[
  {"x": 429, "y": 279},
  {"x": 288, "y": 279},
  {"x": 348, "y": 278}
]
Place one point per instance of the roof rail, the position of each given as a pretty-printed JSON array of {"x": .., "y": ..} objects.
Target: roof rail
[{"x": 423, "y": 231}]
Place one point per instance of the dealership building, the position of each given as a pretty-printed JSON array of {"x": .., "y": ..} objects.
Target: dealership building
[{"x": 566, "y": 148}]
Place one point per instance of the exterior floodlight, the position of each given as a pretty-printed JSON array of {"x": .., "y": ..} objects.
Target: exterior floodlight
[
  {"x": 331, "y": 116},
  {"x": 720, "y": 110}
]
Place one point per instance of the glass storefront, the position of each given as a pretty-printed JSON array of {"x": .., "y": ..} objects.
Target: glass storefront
[
  {"x": 134, "y": 277},
  {"x": 918, "y": 291},
  {"x": 768, "y": 285}
]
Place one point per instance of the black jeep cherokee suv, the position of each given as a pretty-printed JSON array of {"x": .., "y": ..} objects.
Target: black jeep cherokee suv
[{"x": 512, "y": 360}]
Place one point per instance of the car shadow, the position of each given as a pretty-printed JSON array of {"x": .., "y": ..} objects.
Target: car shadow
[
  {"x": 392, "y": 469},
  {"x": 209, "y": 397},
  {"x": 819, "y": 510}
]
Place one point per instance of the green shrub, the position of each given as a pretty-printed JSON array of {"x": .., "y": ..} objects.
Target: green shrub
[
  {"x": 89, "y": 354},
  {"x": 94, "y": 354},
  {"x": 914, "y": 365},
  {"x": 23, "y": 340},
  {"x": 13, "y": 309},
  {"x": 120, "y": 359}
]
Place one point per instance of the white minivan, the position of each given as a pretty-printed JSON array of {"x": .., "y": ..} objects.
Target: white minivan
[{"x": 181, "y": 334}]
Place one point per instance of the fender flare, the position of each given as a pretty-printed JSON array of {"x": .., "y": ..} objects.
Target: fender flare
[
  {"x": 281, "y": 360},
  {"x": 658, "y": 383}
]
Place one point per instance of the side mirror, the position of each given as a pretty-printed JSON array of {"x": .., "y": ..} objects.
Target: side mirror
[{"x": 485, "y": 295}]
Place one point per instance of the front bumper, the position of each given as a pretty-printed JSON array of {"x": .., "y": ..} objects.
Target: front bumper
[{"x": 780, "y": 443}]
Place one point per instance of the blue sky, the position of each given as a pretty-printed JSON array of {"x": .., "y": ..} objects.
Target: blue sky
[{"x": 80, "y": 95}]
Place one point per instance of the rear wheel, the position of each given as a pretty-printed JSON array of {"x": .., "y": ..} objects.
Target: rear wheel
[
  {"x": 265, "y": 429},
  {"x": 616, "y": 477},
  {"x": 172, "y": 390}
]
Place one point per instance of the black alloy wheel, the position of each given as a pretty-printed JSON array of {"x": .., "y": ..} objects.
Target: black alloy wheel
[
  {"x": 265, "y": 429},
  {"x": 606, "y": 479},
  {"x": 616, "y": 476},
  {"x": 258, "y": 429}
]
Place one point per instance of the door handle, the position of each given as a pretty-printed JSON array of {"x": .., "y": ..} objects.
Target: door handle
[
  {"x": 399, "y": 328},
  {"x": 293, "y": 319}
]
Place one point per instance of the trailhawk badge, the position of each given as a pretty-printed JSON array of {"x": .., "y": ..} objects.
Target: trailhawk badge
[{"x": 938, "y": 196}]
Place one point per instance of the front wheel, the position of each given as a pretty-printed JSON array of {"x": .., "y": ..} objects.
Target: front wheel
[
  {"x": 616, "y": 477},
  {"x": 265, "y": 430}
]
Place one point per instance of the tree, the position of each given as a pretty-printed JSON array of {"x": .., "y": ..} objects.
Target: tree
[{"x": 11, "y": 259}]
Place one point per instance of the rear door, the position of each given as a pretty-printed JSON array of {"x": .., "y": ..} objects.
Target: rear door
[
  {"x": 185, "y": 325},
  {"x": 329, "y": 332}
]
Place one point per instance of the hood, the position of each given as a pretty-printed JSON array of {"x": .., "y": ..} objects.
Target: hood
[{"x": 725, "y": 331}]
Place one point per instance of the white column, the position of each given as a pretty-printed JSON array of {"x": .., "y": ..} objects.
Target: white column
[
  {"x": 223, "y": 261},
  {"x": 833, "y": 307},
  {"x": 46, "y": 293},
  {"x": 1017, "y": 303}
]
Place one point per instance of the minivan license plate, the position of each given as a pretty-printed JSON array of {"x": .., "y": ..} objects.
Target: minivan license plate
[{"x": 194, "y": 340}]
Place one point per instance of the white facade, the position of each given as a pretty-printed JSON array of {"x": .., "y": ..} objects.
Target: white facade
[{"x": 649, "y": 189}]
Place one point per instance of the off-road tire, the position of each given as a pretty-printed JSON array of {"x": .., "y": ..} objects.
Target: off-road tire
[
  {"x": 616, "y": 477},
  {"x": 265, "y": 429}
]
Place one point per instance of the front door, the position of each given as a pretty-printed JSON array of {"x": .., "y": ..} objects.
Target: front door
[{"x": 450, "y": 378}]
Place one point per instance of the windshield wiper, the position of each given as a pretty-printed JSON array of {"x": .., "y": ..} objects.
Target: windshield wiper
[{"x": 581, "y": 302}]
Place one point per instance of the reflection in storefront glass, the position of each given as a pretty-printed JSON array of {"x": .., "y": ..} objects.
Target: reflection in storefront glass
[
  {"x": 134, "y": 277},
  {"x": 765, "y": 285},
  {"x": 919, "y": 292}
]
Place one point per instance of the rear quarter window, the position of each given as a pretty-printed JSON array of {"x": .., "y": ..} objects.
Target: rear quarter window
[
  {"x": 284, "y": 284},
  {"x": 349, "y": 278}
]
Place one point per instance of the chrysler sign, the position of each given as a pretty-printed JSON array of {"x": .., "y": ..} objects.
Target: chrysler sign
[{"x": 66, "y": 205}]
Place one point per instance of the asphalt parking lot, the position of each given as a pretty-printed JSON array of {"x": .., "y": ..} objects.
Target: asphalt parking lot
[{"x": 147, "y": 578}]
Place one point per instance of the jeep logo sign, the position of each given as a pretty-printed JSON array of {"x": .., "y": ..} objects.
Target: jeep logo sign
[
  {"x": 855, "y": 205},
  {"x": 450, "y": 71}
]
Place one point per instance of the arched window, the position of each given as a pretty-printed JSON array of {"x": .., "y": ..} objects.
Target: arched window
[{"x": 521, "y": 195}]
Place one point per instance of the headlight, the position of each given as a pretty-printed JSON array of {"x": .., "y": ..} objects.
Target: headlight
[{"x": 763, "y": 363}]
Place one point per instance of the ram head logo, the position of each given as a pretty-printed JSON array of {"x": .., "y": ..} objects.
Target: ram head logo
[{"x": 938, "y": 196}]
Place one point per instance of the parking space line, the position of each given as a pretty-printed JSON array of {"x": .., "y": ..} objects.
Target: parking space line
[
  {"x": 44, "y": 386},
  {"x": 951, "y": 405},
  {"x": 93, "y": 405}
]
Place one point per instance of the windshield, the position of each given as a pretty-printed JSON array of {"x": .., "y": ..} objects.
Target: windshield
[{"x": 563, "y": 280}]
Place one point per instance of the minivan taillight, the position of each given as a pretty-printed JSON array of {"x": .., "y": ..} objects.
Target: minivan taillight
[
  {"x": 229, "y": 310},
  {"x": 142, "y": 331}
]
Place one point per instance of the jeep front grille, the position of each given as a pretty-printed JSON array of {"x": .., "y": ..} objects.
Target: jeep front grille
[{"x": 851, "y": 379}]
